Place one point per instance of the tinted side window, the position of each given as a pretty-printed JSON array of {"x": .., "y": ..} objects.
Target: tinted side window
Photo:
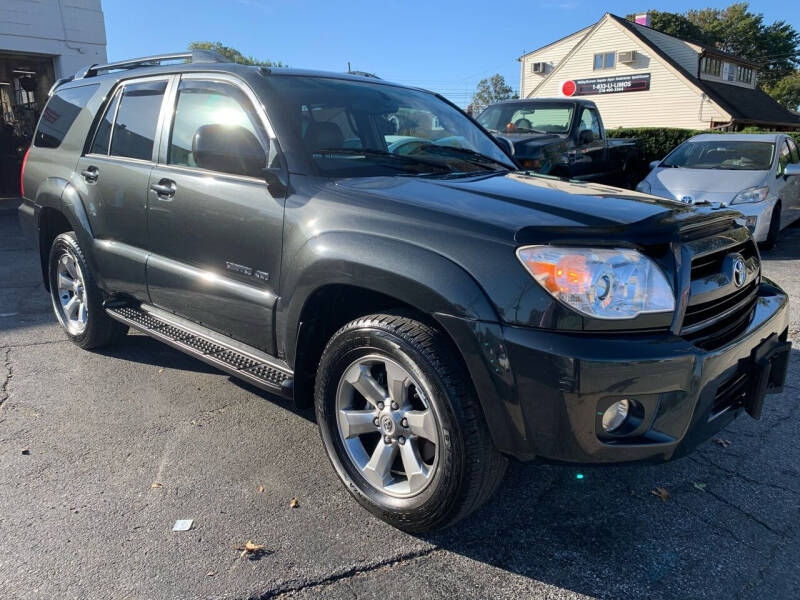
[
  {"x": 793, "y": 149},
  {"x": 60, "y": 113},
  {"x": 103, "y": 135},
  {"x": 135, "y": 127},
  {"x": 590, "y": 121},
  {"x": 784, "y": 158},
  {"x": 215, "y": 110}
]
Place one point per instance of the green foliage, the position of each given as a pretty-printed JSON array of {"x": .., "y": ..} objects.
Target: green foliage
[
  {"x": 234, "y": 55},
  {"x": 490, "y": 90},
  {"x": 787, "y": 91},
  {"x": 774, "y": 47},
  {"x": 656, "y": 142}
]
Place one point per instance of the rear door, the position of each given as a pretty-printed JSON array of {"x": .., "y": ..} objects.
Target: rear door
[
  {"x": 215, "y": 229},
  {"x": 112, "y": 178}
]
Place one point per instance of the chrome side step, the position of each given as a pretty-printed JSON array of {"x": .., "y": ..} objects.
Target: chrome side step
[{"x": 268, "y": 376}]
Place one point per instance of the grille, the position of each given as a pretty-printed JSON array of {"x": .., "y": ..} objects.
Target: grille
[
  {"x": 711, "y": 264},
  {"x": 714, "y": 310},
  {"x": 716, "y": 320}
]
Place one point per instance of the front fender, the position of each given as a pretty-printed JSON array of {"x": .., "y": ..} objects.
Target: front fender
[
  {"x": 418, "y": 277},
  {"x": 431, "y": 283}
]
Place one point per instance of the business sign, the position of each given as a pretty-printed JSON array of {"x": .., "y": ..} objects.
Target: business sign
[{"x": 606, "y": 85}]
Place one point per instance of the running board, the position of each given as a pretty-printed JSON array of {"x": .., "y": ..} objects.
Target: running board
[{"x": 251, "y": 368}]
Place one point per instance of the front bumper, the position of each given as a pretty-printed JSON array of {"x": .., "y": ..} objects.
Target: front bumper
[
  {"x": 758, "y": 216},
  {"x": 564, "y": 381}
]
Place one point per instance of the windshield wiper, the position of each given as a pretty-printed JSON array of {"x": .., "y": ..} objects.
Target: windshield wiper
[
  {"x": 387, "y": 158},
  {"x": 471, "y": 156},
  {"x": 526, "y": 130}
]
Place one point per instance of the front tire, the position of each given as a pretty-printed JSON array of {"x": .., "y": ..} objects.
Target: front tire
[
  {"x": 402, "y": 425},
  {"x": 77, "y": 301}
]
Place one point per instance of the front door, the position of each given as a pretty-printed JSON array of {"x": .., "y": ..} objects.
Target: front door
[
  {"x": 589, "y": 156},
  {"x": 215, "y": 229},
  {"x": 112, "y": 178}
]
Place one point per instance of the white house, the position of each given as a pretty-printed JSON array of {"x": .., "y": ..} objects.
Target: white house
[
  {"x": 640, "y": 77},
  {"x": 41, "y": 41}
]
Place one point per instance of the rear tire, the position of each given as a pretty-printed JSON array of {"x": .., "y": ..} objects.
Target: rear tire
[
  {"x": 398, "y": 472},
  {"x": 77, "y": 301},
  {"x": 774, "y": 228}
]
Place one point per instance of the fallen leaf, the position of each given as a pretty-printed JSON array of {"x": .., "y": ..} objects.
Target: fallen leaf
[
  {"x": 660, "y": 492},
  {"x": 700, "y": 486},
  {"x": 161, "y": 370},
  {"x": 251, "y": 550},
  {"x": 155, "y": 485},
  {"x": 721, "y": 442},
  {"x": 25, "y": 451},
  {"x": 260, "y": 489},
  {"x": 210, "y": 574},
  {"x": 294, "y": 503}
]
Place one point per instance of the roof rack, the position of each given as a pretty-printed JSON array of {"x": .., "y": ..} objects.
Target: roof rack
[{"x": 194, "y": 56}]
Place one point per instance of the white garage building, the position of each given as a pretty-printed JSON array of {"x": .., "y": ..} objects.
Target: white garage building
[{"x": 640, "y": 77}]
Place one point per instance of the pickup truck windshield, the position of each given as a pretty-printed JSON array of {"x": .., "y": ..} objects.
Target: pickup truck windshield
[
  {"x": 342, "y": 128},
  {"x": 725, "y": 155},
  {"x": 527, "y": 118}
]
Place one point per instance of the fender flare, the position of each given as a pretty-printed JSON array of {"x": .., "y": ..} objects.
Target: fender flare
[{"x": 414, "y": 275}]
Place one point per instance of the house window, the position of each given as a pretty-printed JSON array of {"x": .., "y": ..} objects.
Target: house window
[
  {"x": 604, "y": 60},
  {"x": 744, "y": 74},
  {"x": 711, "y": 66}
]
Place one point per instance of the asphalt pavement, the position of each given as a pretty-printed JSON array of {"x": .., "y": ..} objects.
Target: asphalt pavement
[{"x": 101, "y": 452}]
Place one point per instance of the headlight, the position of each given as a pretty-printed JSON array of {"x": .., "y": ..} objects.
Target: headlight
[
  {"x": 753, "y": 194},
  {"x": 644, "y": 186},
  {"x": 605, "y": 283}
]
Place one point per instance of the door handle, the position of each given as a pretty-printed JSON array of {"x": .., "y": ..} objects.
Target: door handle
[
  {"x": 164, "y": 189},
  {"x": 90, "y": 174}
]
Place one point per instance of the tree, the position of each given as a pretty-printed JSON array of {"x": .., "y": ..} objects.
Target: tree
[
  {"x": 490, "y": 90},
  {"x": 775, "y": 48},
  {"x": 787, "y": 91},
  {"x": 233, "y": 54}
]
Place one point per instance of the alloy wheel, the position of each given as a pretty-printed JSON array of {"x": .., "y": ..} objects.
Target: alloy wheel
[
  {"x": 71, "y": 303},
  {"x": 387, "y": 426}
]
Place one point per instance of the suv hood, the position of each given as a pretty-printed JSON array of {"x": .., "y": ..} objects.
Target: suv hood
[{"x": 522, "y": 207}]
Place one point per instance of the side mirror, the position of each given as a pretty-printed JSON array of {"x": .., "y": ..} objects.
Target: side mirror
[
  {"x": 654, "y": 164},
  {"x": 586, "y": 137},
  {"x": 791, "y": 170},
  {"x": 229, "y": 149},
  {"x": 507, "y": 147}
]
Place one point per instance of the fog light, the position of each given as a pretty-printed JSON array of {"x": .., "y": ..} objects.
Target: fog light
[{"x": 615, "y": 415}]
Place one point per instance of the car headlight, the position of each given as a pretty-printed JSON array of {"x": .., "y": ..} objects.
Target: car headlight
[
  {"x": 644, "y": 186},
  {"x": 604, "y": 283},
  {"x": 753, "y": 194}
]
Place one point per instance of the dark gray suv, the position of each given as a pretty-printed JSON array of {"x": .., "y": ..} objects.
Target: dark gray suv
[{"x": 368, "y": 249}]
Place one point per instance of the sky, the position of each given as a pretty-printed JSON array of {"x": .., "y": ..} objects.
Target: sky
[{"x": 441, "y": 45}]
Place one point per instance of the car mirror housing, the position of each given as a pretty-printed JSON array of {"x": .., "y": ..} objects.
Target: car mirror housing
[
  {"x": 791, "y": 170},
  {"x": 654, "y": 164},
  {"x": 228, "y": 149}
]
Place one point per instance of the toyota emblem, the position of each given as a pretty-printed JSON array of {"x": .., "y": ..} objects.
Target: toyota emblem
[{"x": 739, "y": 272}]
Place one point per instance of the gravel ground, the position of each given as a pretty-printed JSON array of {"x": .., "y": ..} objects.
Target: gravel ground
[{"x": 80, "y": 517}]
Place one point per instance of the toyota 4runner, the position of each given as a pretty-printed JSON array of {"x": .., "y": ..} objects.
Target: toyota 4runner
[{"x": 366, "y": 248}]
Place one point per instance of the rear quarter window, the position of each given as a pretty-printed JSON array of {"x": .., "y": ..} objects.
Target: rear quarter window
[{"x": 60, "y": 113}]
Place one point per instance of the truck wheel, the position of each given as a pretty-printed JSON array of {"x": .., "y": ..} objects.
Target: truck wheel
[
  {"x": 774, "y": 229},
  {"x": 77, "y": 301},
  {"x": 402, "y": 425}
]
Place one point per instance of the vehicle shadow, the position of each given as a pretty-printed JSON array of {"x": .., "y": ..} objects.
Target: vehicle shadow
[
  {"x": 146, "y": 350},
  {"x": 788, "y": 246},
  {"x": 602, "y": 531}
]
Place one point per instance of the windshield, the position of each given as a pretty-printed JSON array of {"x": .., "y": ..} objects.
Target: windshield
[
  {"x": 527, "y": 118},
  {"x": 342, "y": 128},
  {"x": 722, "y": 154}
]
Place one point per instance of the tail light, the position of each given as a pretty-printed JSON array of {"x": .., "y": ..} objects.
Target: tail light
[{"x": 22, "y": 173}]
